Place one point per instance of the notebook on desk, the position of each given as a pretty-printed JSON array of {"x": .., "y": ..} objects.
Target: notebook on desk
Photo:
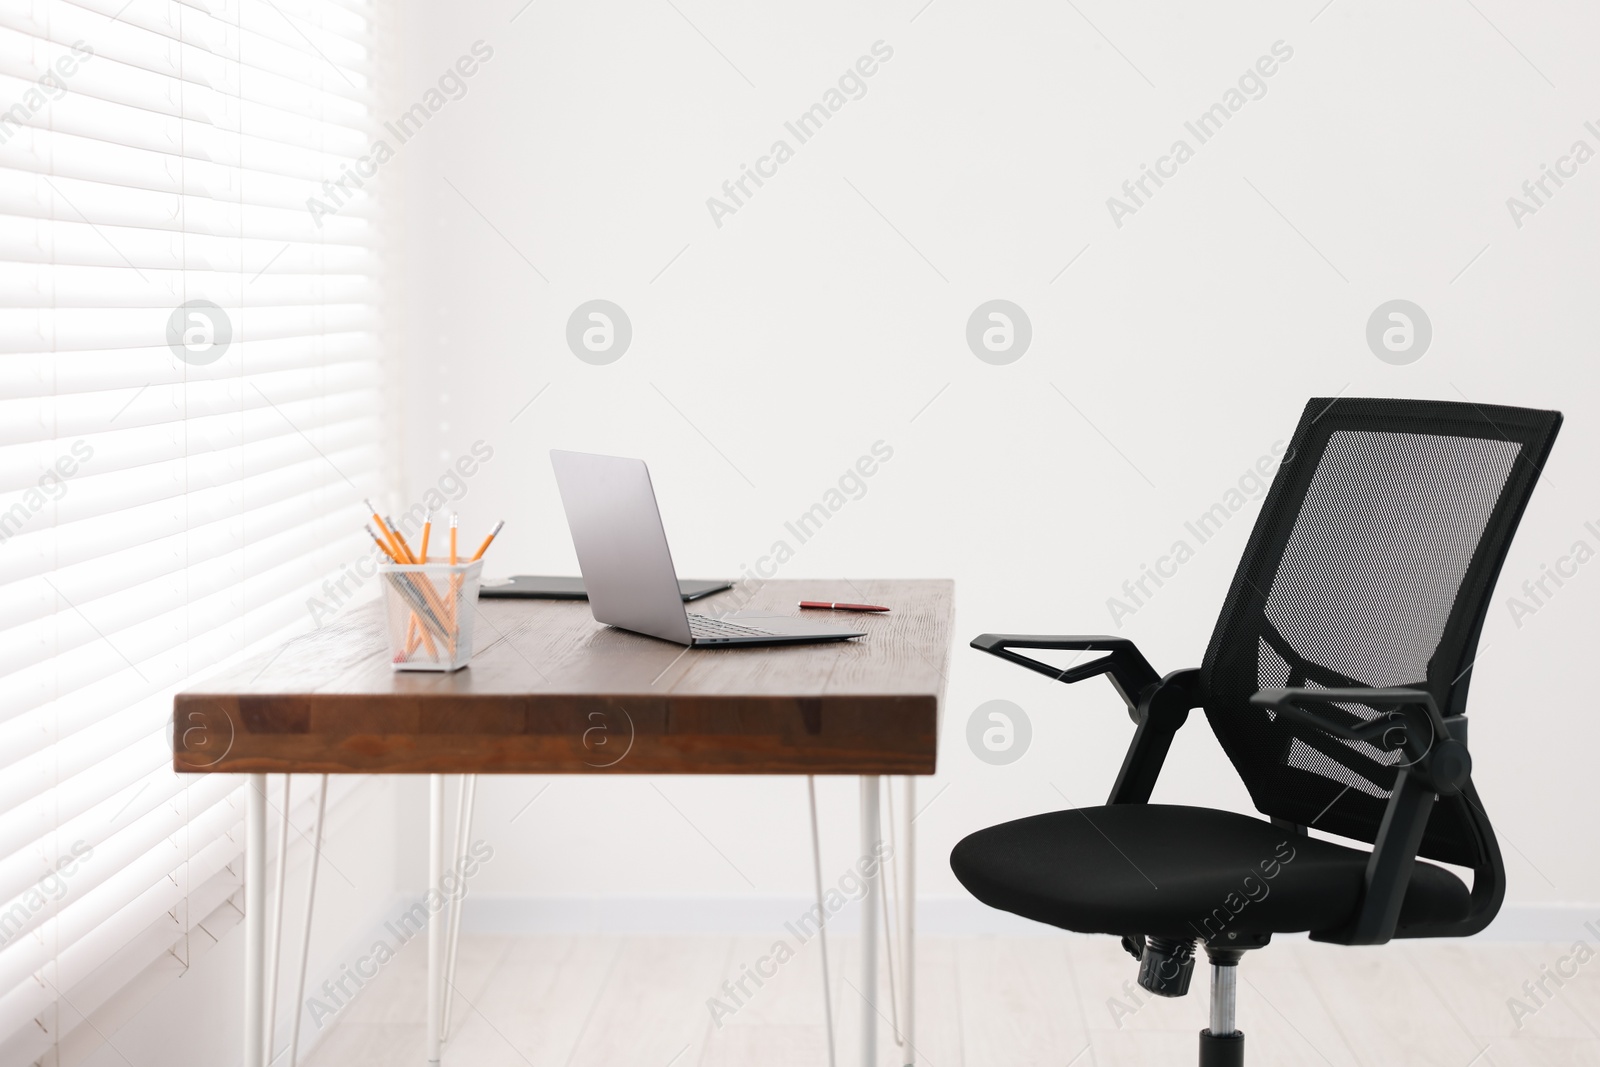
[{"x": 562, "y": 587}]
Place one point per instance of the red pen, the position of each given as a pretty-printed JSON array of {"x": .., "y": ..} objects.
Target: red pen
[{"x": 841, "y": 607}]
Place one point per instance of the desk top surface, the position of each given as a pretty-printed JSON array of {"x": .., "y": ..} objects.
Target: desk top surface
[{"x": 548, "y": 688}]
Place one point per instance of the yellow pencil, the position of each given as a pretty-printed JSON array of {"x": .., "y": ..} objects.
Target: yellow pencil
[
  {"x": 455, "y": 579},
  {"x": 399, "y": 538},
  {"x": 421, "y": 584},
  {"x": 412, "y": 640},
  {"x": 487, "y": 541},
  {"x": 413, "y": 626},
  {"x": 393, "y": 548},
  {"x": 379, "y": 542}
]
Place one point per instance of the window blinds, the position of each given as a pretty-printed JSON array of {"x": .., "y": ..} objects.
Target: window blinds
[{"x": 172, "y": 487}]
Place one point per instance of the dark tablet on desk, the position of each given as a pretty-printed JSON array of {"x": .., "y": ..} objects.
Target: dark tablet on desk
[{"x": 544, "y": 587}]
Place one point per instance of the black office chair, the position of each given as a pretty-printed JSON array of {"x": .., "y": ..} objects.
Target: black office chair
[{"x": 1336, "y": 681}]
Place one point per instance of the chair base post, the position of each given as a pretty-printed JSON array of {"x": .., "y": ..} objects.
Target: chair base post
[
  {"x": 1225, "y": 1051},
  {"x": 1222, "y": 1043}
]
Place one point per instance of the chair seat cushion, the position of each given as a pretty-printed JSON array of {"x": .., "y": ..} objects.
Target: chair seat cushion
[{"x": 1171, "y": 871}]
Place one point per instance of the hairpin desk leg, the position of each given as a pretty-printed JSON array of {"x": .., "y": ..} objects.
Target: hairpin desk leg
[
  {"x": 305, "y": 933},
  {"x": 437, "y": 920},
  {"x": 275, "y": 936},
  {"x": 870, "y": 835},
  {"x": 255, "y": 917},
  {"x": 822, "y": 916},
  {"x": 908, "y": 912},
  {"x": 469, "y": 795}
]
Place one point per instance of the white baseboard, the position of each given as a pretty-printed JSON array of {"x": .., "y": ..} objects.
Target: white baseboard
[
  {"x": 1564, "y": 923},
  {"x": 936, "y": 916}
]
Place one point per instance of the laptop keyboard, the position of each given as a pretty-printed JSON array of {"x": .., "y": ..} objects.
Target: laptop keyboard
[{"x": 706, "y": 626}]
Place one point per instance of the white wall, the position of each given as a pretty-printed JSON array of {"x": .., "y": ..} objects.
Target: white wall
[{"x": 826, "y": 313}]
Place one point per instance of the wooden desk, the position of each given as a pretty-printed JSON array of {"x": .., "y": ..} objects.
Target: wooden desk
[{"x": 550, "y": 691}]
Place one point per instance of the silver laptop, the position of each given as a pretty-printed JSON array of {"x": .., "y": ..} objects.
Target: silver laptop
[{"x": 627, "y": 567}]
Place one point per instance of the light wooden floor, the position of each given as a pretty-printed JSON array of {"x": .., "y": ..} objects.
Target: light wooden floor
[{"x": 593, "y": 1001}]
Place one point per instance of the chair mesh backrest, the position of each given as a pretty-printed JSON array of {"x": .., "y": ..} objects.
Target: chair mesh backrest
[{"x": 1372, "y": 564}]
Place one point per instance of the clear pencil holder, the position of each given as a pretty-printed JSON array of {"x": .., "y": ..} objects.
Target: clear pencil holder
[{"x": 428, "y": 613}]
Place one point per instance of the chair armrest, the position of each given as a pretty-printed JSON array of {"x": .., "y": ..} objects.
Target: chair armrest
[
  {"x": 1437, "y": 764},
  {"x": 1129, "y": 671},
  {"x": 1158, "y": 706}
]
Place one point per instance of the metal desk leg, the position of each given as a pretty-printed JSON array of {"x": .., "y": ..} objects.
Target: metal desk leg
[
  {"x": 275, "y": 937},
  {"x": 908, "y": 912},
  {"x": 305, "y": 934},
  {"x": 822, "y": 917},
  {"x": 458, "y": 863},
  {"x": 870, "y": 836},
  {"x": 437, "y": 917},
  {"x": 255, "y": 918}
]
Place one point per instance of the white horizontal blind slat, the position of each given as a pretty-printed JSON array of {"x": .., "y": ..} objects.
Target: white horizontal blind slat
[{"x": 127, "y": 372}]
